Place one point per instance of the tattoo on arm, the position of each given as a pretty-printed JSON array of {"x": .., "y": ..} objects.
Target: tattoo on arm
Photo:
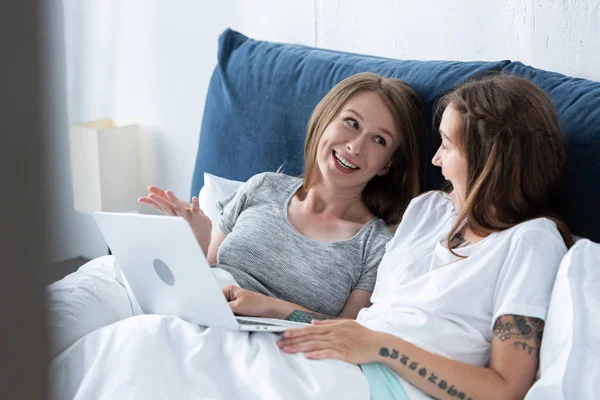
[
  {"x": 427, "y": 375},
  {"x": 526, "y": 332},
  {"x": 306, "y": 316}
]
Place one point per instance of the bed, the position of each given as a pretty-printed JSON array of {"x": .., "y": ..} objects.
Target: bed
[{"x": 259, "y": 100}]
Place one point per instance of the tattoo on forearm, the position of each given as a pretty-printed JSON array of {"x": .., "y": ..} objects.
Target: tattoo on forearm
[
  {"x": 423, "y": 373},
  {"x": 528, "y": 332},
  {"x": 525, "y": 346},
  {"x": 306, "y": 316}
]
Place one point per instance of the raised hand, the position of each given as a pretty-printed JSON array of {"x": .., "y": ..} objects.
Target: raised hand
[
  {"x": 167, "y": 203},
  {"x": 333, "y": 339},
  {"x": 159, "y": 199}
]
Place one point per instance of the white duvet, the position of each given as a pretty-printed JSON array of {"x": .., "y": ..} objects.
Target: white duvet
[{"x": 102, "y": 350}]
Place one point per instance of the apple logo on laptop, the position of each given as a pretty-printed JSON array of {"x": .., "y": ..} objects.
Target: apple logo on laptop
[{"x": 164, "y": 272}]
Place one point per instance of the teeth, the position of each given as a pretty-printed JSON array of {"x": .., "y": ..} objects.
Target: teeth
[{"x": 345, "y": 163}]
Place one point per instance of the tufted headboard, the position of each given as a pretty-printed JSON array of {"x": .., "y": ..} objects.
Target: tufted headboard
[{"x": 261, "y": 96}]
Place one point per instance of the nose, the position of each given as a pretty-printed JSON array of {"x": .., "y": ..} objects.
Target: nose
[
  {"x": 436, "y": 160},
  {"x": 355, "y": 145}
]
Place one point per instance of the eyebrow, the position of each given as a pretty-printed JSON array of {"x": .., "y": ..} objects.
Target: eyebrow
[
  {"x": 442, "y": 133},
  {"x": 380, "y": 129}
]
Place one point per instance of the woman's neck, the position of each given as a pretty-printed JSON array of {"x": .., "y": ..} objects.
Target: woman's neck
[
  {"x": 334, "y": 203},
  {"x": 459, "y": 201}
]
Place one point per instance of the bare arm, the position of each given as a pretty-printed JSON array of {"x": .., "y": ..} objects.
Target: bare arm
[
  {"x": 510, "y": 374},
  {"x": 511, "y": 371},
  {"x": 357, "y": 300},
  {"x": 216, "y": 238},
  {"x": 252, "y": 304}
]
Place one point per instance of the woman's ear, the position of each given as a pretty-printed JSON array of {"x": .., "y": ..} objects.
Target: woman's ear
[{"x": 385, "y": 169}]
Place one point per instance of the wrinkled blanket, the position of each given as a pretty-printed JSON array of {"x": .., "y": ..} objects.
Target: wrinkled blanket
[{"x": 103, "y": 348}]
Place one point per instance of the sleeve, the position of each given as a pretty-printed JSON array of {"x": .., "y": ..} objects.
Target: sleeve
[
  {"x": 526, "y": 278},
  {"x": 374, "y": 251},
  {"x": 229, "y": 209}
]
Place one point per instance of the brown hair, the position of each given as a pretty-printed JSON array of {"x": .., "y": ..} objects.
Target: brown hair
[
  {"x": 385, "y": 196},
  {"x": 509, "y": 133}
]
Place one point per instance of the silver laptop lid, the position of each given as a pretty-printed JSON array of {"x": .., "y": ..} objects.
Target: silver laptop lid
[{"x": 166, "y": 268}]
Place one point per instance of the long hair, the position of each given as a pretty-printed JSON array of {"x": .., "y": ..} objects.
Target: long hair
[
  {"x": 385, "y": 196},
  {"x": 509, "y": 132}
]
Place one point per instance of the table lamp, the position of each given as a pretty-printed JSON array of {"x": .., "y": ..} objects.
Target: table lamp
[{"x": 106, "y": 166}]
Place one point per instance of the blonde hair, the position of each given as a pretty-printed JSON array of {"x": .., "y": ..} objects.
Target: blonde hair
[
  {"x": 509, "y": 133},
  {"x": 385, "y": 196}
]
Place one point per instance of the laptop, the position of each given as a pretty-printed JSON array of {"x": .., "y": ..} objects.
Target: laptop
[{"x": 169, "y": 274}]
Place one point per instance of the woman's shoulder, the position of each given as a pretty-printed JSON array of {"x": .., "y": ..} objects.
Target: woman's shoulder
[
  {"x": 538, "y": 238},
  {"x": 379, "y": 227},
  {"x": 433, "y": 204},
  {"x": 278, "y": 179},
  {"x": 537, "y": 229},
  {"x": 271, "y": 182},
  {"x": 432, "y": 197},
  {"x": 376, "y": 233}
]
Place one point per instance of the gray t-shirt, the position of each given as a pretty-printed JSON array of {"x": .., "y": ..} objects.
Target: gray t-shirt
[{"x": 266, "y": 254}]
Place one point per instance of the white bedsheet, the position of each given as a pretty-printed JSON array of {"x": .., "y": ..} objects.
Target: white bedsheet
[
  {"x": 157, "y": 357},
  {"x": 90, "y": 298},
  {"x": 102, "y": 351}
]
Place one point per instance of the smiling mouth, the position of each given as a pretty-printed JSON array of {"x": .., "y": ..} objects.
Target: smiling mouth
[{"x": 343, "y": 162}]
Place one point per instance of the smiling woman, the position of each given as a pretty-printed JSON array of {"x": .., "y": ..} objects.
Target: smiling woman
[
  {"x": 381, "y": 116},
  {"x": 462, "y": 291},
  {"x": 309, "y": 247},
  {"x": 355, "y": 143}
]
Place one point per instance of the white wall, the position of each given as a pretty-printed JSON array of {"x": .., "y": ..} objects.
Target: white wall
[
  {"x": 150, "y": 61},
  {"x": 556, "y": 35}
]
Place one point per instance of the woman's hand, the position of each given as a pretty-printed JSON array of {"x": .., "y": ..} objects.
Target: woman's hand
[
  {"x": 250, "y": 304},
  {"x": 338, "y": 339},
  {"x": 167, "y": 203}
]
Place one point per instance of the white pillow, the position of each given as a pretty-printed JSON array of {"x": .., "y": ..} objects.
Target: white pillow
[
  {"x": 215, "y": 189},
  {"x": 570, "y": 353}
]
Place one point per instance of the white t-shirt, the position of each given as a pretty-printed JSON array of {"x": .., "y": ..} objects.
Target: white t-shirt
[{"x": 446, "y": 305}]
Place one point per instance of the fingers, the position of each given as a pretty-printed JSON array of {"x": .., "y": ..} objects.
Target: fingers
[
  {"x": 168, "y": 203},
  {"x": 309, "y": 330},
  {"x": 307, "y": 347},
  {"x": 178, "y": 204},
  {"x": 175, "y": 204},
  {"x": 195, "y": 204},
  {"x": 156, "y": 190},
  {"x": 150, "y": 202},
  {"x": 324, "y": 321},
  {"x": 164, "y": 204},
  {"x": 283, "y": 343},
  {"x": 229, "y": 292},
  {"x": 234, "y": 306},
  {"x": 145, "y": 200},
  {"x": 326, "y": 354},
  {"x": 299, "y": 337}
]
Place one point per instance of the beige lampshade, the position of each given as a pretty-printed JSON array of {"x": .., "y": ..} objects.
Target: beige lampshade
[{"x": 106, "y": 166}]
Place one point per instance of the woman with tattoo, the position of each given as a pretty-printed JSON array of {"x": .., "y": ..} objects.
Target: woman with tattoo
[
  {"x": 458, "y": 307},
  {"x": 463, "y": 289},
  {"x": 314, "y": 243}
]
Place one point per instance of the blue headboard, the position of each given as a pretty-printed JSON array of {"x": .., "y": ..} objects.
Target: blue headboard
[{"x": 261, "y": 96}]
